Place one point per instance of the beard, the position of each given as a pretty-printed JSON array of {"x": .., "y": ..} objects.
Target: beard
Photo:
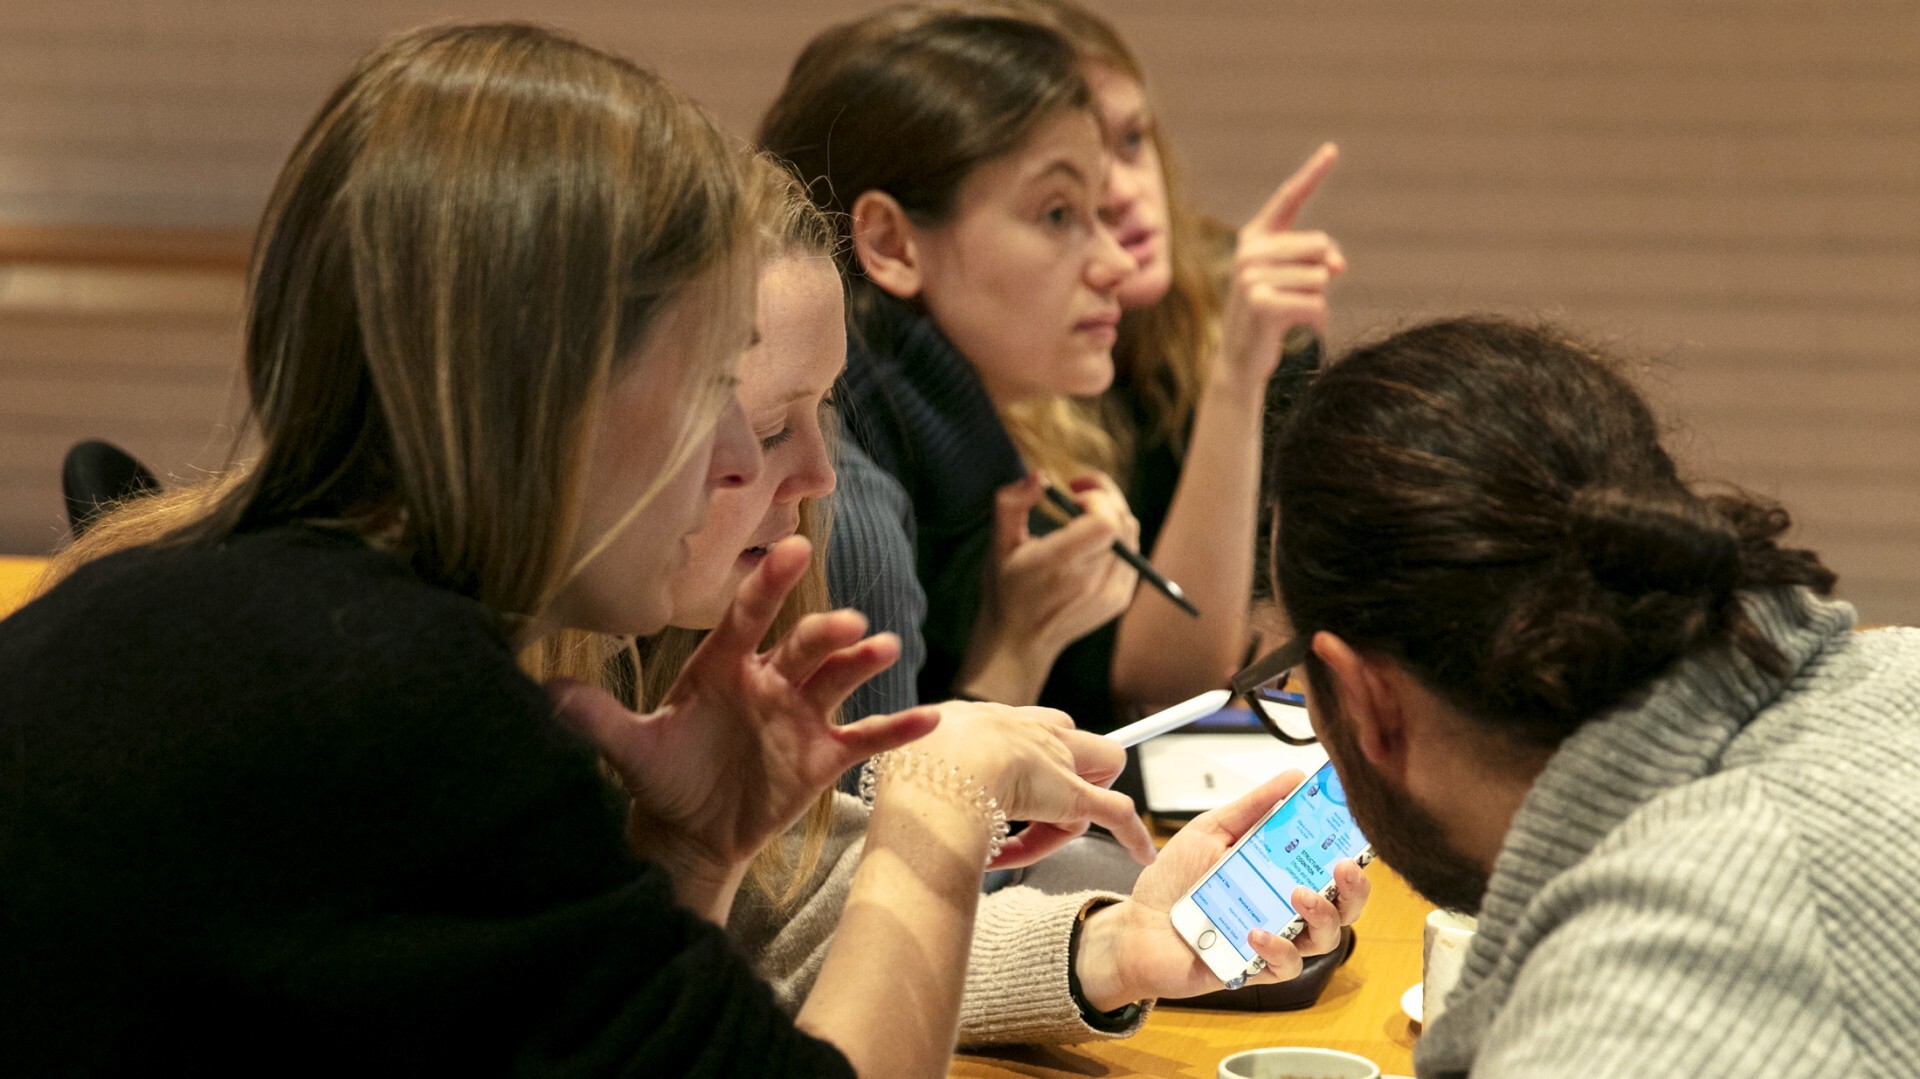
[{"x": 1403, "y": 833}]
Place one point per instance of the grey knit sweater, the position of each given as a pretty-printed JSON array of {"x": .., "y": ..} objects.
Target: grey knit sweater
[
  {"x": 1016, "y": 990},
  {"x": 1723, "y": 879}
]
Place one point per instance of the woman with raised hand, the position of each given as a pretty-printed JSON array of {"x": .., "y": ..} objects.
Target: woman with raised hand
[
  {"x": 279, "y": 782},
  {"x": 1042, "y": 968},
  {"x": 1192, "y": 364}
]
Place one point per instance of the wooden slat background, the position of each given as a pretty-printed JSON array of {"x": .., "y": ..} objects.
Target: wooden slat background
[{"x": 1731, "y": 187}]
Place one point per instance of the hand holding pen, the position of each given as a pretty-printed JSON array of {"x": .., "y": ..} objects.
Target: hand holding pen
[
  {"x": 1131, "y": 557},
  {"x": 1045, "y": 591}
]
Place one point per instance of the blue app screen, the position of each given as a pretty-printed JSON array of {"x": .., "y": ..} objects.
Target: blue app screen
[{"x": 1297, "y": 845}]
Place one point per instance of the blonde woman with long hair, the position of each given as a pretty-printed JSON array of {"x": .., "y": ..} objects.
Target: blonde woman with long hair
[{"x": 280, "y": 791}]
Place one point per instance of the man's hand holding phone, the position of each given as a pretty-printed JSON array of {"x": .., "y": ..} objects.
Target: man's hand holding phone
[{"x": 1129, "y": 951}]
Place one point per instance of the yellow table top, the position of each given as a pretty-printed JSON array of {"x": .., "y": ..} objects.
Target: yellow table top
[
  {"x": 18, "y": 574},
  {"x": 1359, "y": 1012}
]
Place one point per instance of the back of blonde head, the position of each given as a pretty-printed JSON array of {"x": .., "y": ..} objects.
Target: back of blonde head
[{"x": 473, "y": 236}]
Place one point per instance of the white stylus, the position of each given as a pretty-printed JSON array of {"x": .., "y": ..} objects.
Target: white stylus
[{"x": 1172, "y": 719}]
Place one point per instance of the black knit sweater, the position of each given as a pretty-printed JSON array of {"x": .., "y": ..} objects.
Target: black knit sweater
[
  {"x": 279, "y": 806},
  {"x": 918, "y": 408}
]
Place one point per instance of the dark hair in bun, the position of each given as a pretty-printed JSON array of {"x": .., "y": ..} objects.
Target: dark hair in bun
[{"x": 1489, "y": 503}]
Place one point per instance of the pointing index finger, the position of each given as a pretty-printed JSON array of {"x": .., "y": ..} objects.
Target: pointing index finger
[{"x": 1278, "y": 214}]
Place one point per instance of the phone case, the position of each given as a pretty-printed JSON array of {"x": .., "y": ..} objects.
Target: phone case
[{"x": 1295, "y": 993}]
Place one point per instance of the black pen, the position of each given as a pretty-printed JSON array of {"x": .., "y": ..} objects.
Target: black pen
[{"x": 1127, "y": 554}]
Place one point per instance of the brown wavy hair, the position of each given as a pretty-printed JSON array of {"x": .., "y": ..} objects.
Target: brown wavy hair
[{"x": 1488, "y": 502}]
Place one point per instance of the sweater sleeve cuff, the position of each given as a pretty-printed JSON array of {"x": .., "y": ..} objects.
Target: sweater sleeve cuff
[{"x": 1017, "y": 977}]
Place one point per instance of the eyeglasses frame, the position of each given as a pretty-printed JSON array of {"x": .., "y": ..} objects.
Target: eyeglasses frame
[{"x": 1265, "y": 669}]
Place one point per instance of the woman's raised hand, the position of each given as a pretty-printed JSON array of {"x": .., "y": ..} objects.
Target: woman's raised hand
[
  {"x": 745, "y": 739},
  {"x": 1280, "y": 276},
  {"x": 1042, "y": 771}
]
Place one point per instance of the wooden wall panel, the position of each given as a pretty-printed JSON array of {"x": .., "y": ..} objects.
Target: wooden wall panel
[
  {"x": 145, "y": 357},
  {"x": 1728, "y": 187}
]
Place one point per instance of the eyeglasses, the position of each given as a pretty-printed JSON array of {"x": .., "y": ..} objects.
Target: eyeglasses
[{"x": 1263, "y": 683}]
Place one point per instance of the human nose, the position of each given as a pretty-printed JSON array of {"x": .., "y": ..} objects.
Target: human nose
[
  {"x": 736, "y": 459},
  {"x": 814, "y": 478},
  {"x": 1110, "y": 263},
  {"x": 1123, "y": 190}
]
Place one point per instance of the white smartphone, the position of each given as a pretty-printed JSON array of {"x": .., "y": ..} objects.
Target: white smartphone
[{"x": 1296, "y": 843}]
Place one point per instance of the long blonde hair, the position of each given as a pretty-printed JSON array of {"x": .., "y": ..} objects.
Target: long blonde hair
[
  {"x": 474, "y": 235},
  {"x": 1061, "y": 438},
  {"x": 789, "y": 227}
]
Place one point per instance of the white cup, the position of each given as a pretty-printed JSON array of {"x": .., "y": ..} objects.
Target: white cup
[
  {"x": 1443, "y": 955},
  {"x": 1297, "y": 1062}
]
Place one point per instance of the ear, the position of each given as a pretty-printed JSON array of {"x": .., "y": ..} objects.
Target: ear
[
  {"x": 1371, "y": 703},
  {"x": 886, "y": 244}
]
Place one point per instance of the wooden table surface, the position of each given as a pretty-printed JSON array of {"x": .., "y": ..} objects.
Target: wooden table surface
[{"x": 1359, "y": 1012}]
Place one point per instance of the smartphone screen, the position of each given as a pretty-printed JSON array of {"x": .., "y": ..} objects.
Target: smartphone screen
[{"x": 1298, "y": 844}]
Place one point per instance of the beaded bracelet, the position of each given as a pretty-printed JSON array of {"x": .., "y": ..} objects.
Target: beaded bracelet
[{"x": 942, "y": 778}]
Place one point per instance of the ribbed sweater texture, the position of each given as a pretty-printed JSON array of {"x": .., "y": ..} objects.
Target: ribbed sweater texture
[
  {"x": 1016, "y": 990},
  {"x": 918, "y": 409},
  {"x": 870, "y": 568},
  {"x": 1722, "y": 879}
]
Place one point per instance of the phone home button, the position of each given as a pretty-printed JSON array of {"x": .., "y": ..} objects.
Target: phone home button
[{"x": 1206, "y": 940}]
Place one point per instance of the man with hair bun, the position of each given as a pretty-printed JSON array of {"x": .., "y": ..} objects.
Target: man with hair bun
[{"x": 1608, "y": 713}]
